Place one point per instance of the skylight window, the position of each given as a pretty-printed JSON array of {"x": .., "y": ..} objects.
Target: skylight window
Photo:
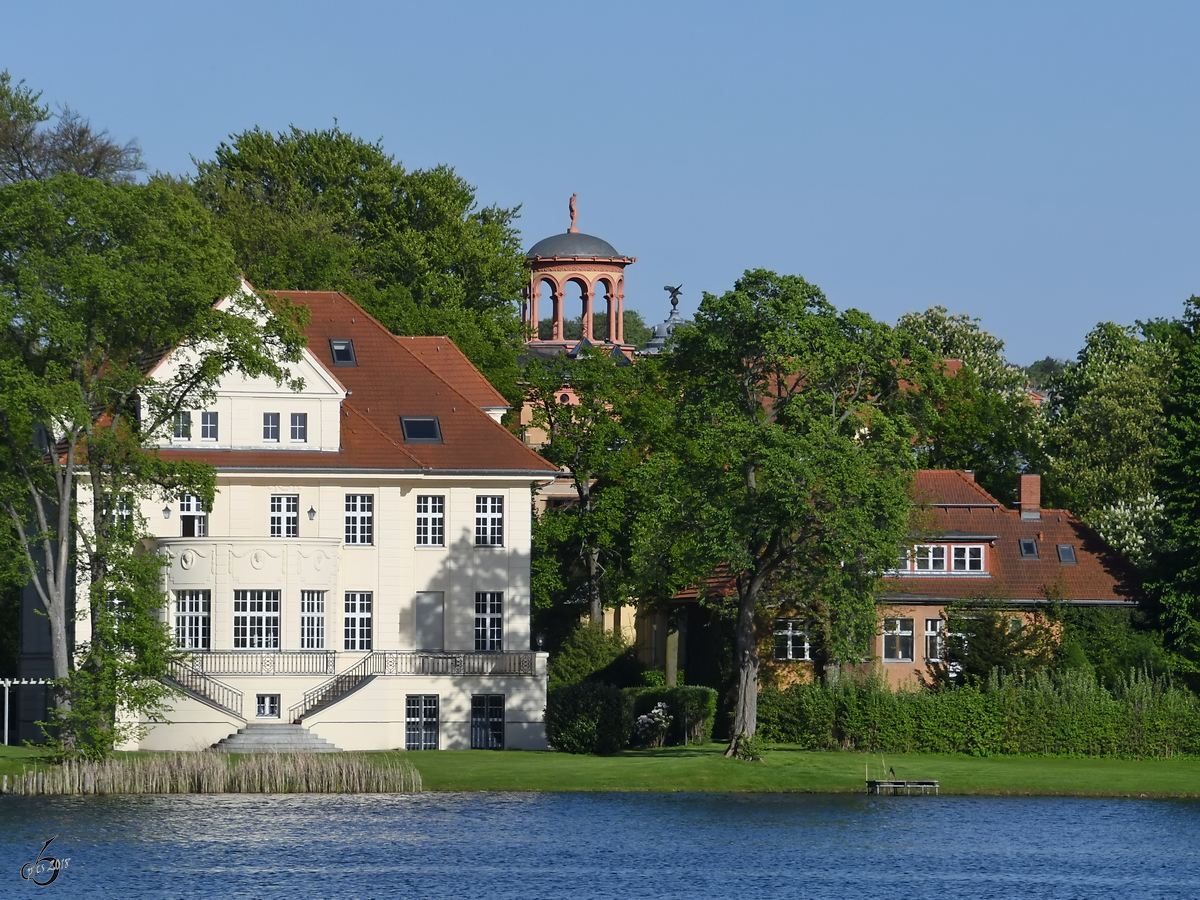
[
  {"x": 421, "y": 429},
  {"x": 343, "y": 352},
  {"x": 1066, "y": 555},
  {"x": 1029, "y": 548}
]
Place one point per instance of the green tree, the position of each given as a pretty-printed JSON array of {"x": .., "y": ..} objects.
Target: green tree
[
  {"x": 783, "y": 454},
  {"x": 600, "y": 437},
  {"x": 975, "y": 416},
  {"x": 1105, "y": 433},
  {"x": 981, "y": 639},
  {"x": 33, "y": 150},
  {"x": 324, "y": 210},
  {"x": 97, "y": 281},
  {"x": 1175, "y": 581}
]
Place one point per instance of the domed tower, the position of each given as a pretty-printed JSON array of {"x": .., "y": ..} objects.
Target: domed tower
[{"x": 588, "y": 263}]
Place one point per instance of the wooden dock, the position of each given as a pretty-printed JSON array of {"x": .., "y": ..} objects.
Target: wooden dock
[{"x": 898, "y": 787}]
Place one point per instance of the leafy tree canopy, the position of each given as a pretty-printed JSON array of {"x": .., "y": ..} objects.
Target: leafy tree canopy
[
  {"x": 324, "y": 210},
  {"x": 97, "y": 281},
  {"x": 784, "y": 453},
  {"x": 1105, "y": 430},
  {"x": 33, "y": 150}
]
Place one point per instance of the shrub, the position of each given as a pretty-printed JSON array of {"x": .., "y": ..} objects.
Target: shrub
[
  {"x": 692, "y": 710},
  {"x": 588, "y": 717},
  {"x": 592, "y": 654},
  {"x": 1054, "y": 713}
]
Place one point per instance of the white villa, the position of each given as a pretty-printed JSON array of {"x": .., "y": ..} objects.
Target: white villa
[{"x": 364, "y": 568}]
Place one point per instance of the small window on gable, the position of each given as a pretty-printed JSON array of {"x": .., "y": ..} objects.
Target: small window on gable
[
  {"x": 1029, "y": 548},
  {"x": 343, "y": 352},
  {"x": 421, "y": 429},
  {"x": 1066, "y": 555}
]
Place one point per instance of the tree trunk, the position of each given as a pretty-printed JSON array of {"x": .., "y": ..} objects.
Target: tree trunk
[
  {"x": 595, "y": 602},
  {"x": 745, "y": 718}
]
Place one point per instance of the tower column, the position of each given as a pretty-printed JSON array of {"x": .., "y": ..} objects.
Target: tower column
[
  {"x": 558, "y": 315},
  {"x": 612, "y": 319},
  {"x": 587, "y": 312}
]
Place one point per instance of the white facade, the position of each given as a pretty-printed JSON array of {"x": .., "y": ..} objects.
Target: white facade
[{"x": 319, "y": 590}]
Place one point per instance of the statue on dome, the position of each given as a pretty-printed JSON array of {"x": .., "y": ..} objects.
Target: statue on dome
[
  {"x": 573, "y": 229},
  {"x": 674, "y": 292}
]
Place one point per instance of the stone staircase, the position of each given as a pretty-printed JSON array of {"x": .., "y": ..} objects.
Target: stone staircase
[{"x": 274, "y": 738}]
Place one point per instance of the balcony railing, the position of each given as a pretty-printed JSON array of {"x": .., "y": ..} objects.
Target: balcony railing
[
  {"x": 396, "y": 662},
  {"x": 209, "y": 689},
  {"x": 264, "y": 662},
  {"x": 379, "y": 662}
]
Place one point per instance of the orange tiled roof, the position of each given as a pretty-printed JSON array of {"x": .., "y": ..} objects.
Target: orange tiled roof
[{"x": 393, "y": 378}]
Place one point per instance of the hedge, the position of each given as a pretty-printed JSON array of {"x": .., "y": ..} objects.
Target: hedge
[
  {"x": 691, "y": 704},
  {"x": 588, "y": 717},
  {"x": 1057, "y": 713}
]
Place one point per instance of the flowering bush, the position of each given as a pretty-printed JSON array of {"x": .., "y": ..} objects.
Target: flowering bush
[{"x": 651, "y": 729}]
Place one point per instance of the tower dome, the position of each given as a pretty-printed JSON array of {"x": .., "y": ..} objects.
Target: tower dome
[{"x": 594, "y": 267}]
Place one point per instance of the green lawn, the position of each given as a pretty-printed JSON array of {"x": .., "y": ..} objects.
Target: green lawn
[{"x": 783, "y": 769}]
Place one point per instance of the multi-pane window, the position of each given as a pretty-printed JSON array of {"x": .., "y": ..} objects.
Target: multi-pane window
[
  {"x": 360, "y": 519},
  {"x": 968, "y": 559},
  {"x": 181, "y": 428},
  {"x": 489, "y": 521},
  {"x": 192, "y": 620},
  {"x": 266, "y": 706},
  {"x": 271, "y": 427},
  {"x": 935, "y": 639},
  {"x": 208, "y": 426},
  {"x": 487, "y": 722},
  {"x": 312, "y": 620},
  {"x": 121, "y": 509},
  {"x": 193, "y": 517},
  {"x": 299, "y": 427},
  {"x": 489, "y": 621},
  {"x": 421, "y": 722},
  {"x": 791, "y": 640},
  {"x": 931, "y": 559},
  {"x": 898, "y": 640},
  {"x": 285, "y": 515},
  {"x": 357, "y": 621},
  {"x": 256, "y": 620},
  {"x": 431, "y": 521}
]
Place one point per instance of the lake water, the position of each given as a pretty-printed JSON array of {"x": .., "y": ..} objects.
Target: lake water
[{"x": 602, "y": 845}]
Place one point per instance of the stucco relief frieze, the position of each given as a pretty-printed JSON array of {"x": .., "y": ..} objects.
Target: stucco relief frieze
[
  {"x": 190, "y": 565},
  {"x": 318, "y": 567},
  {"x": 258, "y": 566}
]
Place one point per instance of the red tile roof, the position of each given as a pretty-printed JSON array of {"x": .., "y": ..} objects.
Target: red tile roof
[
  {"x": 960, "y": 511},
  {"x": 393, "y": 378},
  {"x": 1099, "y": 574}
]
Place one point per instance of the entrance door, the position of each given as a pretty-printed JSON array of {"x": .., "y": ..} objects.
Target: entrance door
[{"x": 487, "y": 722}]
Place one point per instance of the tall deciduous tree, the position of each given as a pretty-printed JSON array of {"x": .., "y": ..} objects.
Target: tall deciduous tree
[
  {"x": 97, "y": 281},
  {"x": 976, "y": 416},
  {"x": 324, "y": 210},
  {"x": 36, "y": 144},
  {"x": 593, "y": 409},
  {"x": 784, "y": 456},
  {"x": 1175, "y": 585},
  {"x": 1105, "y": 433}
]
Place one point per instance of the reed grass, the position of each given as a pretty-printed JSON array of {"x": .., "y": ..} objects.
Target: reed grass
[{"x": 212, "y": 772}]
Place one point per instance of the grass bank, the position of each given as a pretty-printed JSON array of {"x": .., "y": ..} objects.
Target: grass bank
[
  {"x": 783, "y": 769},
  {"x": 793, "y": 770}
]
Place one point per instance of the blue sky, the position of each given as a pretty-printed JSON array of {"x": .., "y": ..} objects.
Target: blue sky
[{"x": 1032, "y": 164}]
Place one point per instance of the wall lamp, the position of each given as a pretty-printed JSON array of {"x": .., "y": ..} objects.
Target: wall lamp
[
  {"x": 312, "y": 513},
  {"x": 166, "y": 512}
]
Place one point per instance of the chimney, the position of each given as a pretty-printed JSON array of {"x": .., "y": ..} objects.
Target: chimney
[
  {"x": 969, "y": 474},
  {"x": 1029, "y": 496}
]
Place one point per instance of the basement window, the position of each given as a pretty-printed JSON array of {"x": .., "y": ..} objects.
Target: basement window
[
  {"x": 343, "y": 352},
  {"x": 1066, "y": 555},
  {"x": 421, "y": 429},
  {"x": 1029, "y": 548}
]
